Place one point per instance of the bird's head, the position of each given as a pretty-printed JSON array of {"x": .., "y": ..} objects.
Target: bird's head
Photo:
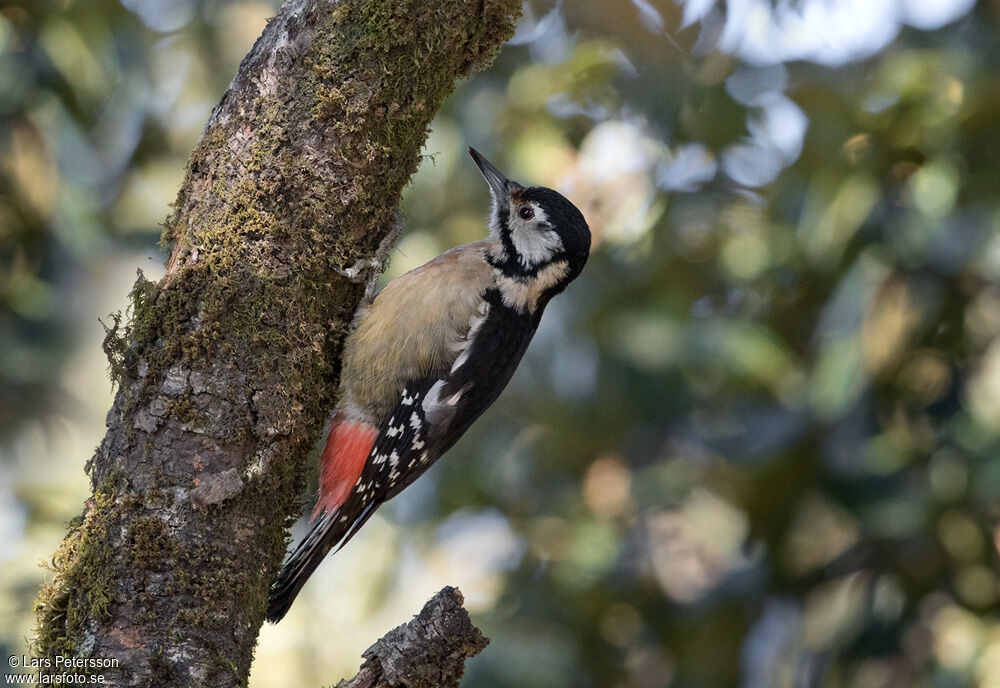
[{"x": 539, "y": 233}]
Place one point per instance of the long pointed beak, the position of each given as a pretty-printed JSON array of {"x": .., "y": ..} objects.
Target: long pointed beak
[{"x": 494, "y": 177}]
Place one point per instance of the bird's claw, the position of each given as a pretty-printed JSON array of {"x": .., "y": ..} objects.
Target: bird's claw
[{"x": 367, "y": 270}]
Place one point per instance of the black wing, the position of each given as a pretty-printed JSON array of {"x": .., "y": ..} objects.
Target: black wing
[{"x": 400, "y": 449}]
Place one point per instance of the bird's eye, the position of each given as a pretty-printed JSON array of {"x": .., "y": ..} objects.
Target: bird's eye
[{"x": 526, "y": 212}]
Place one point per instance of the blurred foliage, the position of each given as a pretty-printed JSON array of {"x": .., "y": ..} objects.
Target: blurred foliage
[{"x": 753, "y": 445}]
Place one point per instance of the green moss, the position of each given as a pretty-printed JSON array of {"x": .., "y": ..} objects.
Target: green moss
[
  {"x": 148, "y": 545},
  {"x": 115, "y": 346},
  {"x": 80, "y": 588}
]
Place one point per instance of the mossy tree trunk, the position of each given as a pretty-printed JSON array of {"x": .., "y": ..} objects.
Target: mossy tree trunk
[{"x": 227, "y": 368}]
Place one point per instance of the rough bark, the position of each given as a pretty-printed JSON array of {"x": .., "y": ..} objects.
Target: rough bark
[
  {"x": 226, "y": 369},
  {"x": 428, "y": 652}
]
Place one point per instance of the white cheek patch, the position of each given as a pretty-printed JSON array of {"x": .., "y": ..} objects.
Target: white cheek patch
[{"x": 534, "y": 242}]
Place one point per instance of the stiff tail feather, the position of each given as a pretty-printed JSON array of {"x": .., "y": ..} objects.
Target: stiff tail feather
[
  {"x": 333, "y": 522},
  {"x": 327, "y": 533},
  {"x": 298, "y": 568}
]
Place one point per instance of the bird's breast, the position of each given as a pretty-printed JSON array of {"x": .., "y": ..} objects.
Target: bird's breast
[{"x": 414, "y": 328}]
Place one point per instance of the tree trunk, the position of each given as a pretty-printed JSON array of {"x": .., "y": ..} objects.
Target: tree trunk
[{"x": 227, "y": 368}]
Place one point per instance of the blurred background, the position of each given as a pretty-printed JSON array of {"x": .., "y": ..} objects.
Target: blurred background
[{"x": 753, "y": 445}]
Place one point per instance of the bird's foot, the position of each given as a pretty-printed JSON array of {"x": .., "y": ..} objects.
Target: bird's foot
[{"x": 367, "y": 270}]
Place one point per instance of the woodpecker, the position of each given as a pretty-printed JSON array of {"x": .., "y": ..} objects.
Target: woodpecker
[{"x": 430, "y": 353}]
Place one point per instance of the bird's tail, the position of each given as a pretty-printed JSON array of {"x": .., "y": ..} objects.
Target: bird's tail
[
  {"x": 326, "y": 533},
  {"x": 298, "y": 568},
  {"x": 338, "y": 515}
]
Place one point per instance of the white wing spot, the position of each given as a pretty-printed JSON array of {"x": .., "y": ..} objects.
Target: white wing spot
[
  {"x": 475, "y": 323},
  {"x": 462, "y": 358}
]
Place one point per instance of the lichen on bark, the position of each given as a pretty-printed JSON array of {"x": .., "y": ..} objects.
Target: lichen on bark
[{"x": 226, "y": 369}]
